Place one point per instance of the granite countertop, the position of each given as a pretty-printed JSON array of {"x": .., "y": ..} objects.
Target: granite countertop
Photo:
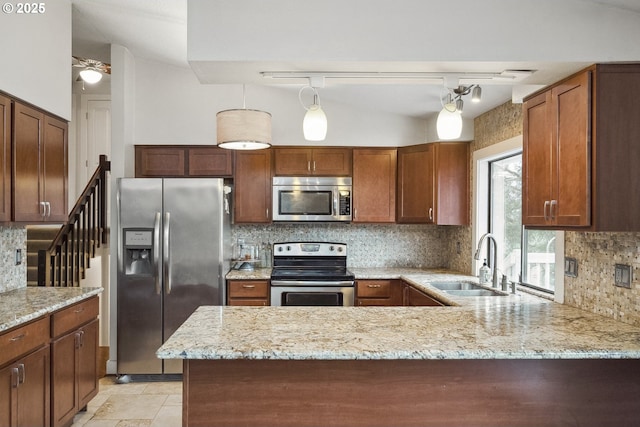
[
  {"x": 23, "y": 305},
  {"x": 495, "y": 327}
]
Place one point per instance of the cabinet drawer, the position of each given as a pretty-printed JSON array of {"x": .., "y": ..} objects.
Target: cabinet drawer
[
  {"x": 23, "y": 340},
  {"x": 373, "y": 288},
  {"x": 74, "y": 316},
  {"x": 248, "y": 289},
  {"x": 260, "y": 302}
]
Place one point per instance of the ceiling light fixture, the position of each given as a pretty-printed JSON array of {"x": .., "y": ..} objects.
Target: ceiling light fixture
[
  {"x": 91, "y": 75},
  {"x": 243, "y": 129},
  {"x": 314, "y": 124},
  {"x": 449, "y": 122}
]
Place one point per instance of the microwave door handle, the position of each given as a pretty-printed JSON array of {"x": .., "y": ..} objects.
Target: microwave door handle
[{"x": 336, "y": 195}]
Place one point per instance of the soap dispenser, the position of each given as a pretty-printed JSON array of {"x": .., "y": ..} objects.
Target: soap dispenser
[{"x": 485, "y": 273}]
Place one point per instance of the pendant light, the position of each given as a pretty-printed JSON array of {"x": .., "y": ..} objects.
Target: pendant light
[
  {"x": 449, "y": 123},
  {"x": 91, "y": 75},
  {"x": 243, "y": 129},
  {"x": 314, "y": 124}
]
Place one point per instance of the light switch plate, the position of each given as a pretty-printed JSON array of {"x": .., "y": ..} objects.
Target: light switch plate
[
  {"x": 623, "y": 275},
  {"x": 570, "y": 267}
]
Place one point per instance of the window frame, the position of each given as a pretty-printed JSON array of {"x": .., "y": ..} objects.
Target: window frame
[{"x": 481, "y": 210}]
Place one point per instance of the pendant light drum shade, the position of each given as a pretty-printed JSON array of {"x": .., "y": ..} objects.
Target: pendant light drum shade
[{"x": 243, "y": 129}]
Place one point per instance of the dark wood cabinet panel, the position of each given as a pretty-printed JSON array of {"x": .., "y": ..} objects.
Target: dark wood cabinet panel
[
  {"x": 433, "y": 184},
  {"x": 5, "y": 158},
  {"x": 252, "y": 186},
  {"x": 294, "y": 161},
  {"x": 176, "y": 161},
  {"x": 379, "y": 292},
  {"x": 248, "y": 292},
  {"x": 580, "y": 153},
  {"x": 417, "y": 298},
  {"x": 39, "y": 166},
  {"x": 374, "y": 185}
]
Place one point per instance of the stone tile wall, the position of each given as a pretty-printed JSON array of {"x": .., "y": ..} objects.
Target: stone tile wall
[
  {"x": 13, "y": 276},
  {"x": 393, "y": 245}
]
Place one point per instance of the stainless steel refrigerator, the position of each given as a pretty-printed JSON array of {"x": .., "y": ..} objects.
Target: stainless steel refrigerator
[{"x": 173, "y": 253}]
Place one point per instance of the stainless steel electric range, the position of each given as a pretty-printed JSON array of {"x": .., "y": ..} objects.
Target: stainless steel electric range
[{"x": 311, "y": 274}]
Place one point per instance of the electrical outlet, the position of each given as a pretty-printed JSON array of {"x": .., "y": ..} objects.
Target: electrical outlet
[
  {"x": 18, "y": 256},
  {"x": 458, "y": 248},
  {"x": 622, "y": 275},
  {"x": 570, "y": 267}
]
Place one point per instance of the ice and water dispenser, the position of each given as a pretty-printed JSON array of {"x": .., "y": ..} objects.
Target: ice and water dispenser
[{"x": 138, "y": 252}]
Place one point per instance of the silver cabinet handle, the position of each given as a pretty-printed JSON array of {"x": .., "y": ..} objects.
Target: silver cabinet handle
[
  {"x": 248, "y": 286},
  {"x": 430, "y": 214},
  {"x": 553, "y": 209},
  {"x": 545, "y": 210},
  {"x": 17, "y": 337},
  {"x": 43, "y": 205},
  {"x": 14, "y": 377},
  {"x": 166, "y": 254},
  {"x": 308, "y": 165},
  {"x": 156, "y": 251},
  {"x": 22, "y": 376},
  {"x": 314, "y": 165},
  {"x": 48, "y": 209},
  {"x": 373, "y": 286}
]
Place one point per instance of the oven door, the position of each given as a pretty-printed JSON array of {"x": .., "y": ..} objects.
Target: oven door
[{"x": 307, "y": 293}]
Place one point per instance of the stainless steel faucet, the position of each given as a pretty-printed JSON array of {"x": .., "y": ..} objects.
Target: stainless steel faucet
[{"x": 494, "y": 263}]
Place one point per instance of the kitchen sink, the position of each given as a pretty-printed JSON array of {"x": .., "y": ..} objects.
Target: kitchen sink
[{"x": 465, "y": 289}]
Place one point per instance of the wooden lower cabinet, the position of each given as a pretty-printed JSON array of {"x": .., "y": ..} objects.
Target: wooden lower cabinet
[
  {"x": 248, "y": 292},
  {"x": 74, "y": 361},
  {"x": 379, "y": 293},
  {"x": 416, "y": 298}
]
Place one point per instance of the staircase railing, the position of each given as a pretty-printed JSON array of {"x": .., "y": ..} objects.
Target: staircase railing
[{"x": 69, "y": 255}]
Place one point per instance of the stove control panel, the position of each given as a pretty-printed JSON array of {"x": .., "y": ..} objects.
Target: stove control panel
[{"x": 309, "y": 249}]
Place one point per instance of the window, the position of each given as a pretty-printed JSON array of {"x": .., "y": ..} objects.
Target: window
[
  {"x": 505, "y": 223},
  {"x": 524, "y": 256}
]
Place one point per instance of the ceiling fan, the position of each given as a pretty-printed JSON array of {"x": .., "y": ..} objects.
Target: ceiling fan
[{"x": 92, "y": 69}]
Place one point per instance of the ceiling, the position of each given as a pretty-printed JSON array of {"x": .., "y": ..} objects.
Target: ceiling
[{"x": 157, "y": 30}]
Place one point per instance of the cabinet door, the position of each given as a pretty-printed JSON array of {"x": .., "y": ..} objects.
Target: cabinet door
[
  {"x": 415, "y": 184},
  {"x": 53, "y": 154},
  {"x": 209, "y": 162},
  {"x": 571, "y": 204},
  {"x": 155, "y": 162},
  {"x": 8, "y": 398},
  {"x": 292, "y": 161},
  {"x": 87, "y": 373},
  {"x": 63, "y": 368},
  {"x": 27, "y": 134},
  {"x": 33, "y": 390},
  {"x": 451, "y": 186},
  {"x": 5, "y": 158},
  {"x": 252, "y": 192},
  {"x": 331, "y": 162},
  {"x": 537, "y": 160},
  {"x": 417, "y": 298},
  {"x": 374, "y": 185}
]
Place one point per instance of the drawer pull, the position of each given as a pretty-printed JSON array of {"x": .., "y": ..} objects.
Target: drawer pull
[
  {"x": 79, "y": 310},
  {"x": 18, "y": 337},
  {"x": 373, "y": 286},
  {"x": 21, "y": 374},
  {"x": 248, "y": 286}
]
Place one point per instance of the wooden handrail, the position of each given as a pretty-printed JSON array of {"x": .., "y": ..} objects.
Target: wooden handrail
[{"x": 65, "y": 261}]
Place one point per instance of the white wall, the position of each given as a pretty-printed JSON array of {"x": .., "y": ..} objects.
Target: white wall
[
  {"x": 172, "y": 107},
  {"x": 35, "y": 63}
]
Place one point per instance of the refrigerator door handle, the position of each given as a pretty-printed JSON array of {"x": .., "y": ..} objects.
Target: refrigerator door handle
[
  {"x": 165, "y": 252},
  {"x": 156, "y": 251}
]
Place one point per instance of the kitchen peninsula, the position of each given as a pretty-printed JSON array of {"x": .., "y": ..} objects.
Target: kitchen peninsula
[{"x": 511, "y": 360}]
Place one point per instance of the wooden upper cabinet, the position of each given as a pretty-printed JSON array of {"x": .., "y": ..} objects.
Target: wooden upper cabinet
[
  {"x": 252, "y": 186},
  {"x": 433, "y": 184},
  {"x": 374, "y": 185},
  {"x": 171, "y": 161},
  {"x": 580, "y": 151},
  {"x": 312, "y": 161},
  {"x": 5, "y": 159},
  {"x": 39, "y": 166}
]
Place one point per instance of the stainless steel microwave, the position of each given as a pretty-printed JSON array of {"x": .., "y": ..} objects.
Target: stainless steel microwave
[{"x": 322, "y": 199}]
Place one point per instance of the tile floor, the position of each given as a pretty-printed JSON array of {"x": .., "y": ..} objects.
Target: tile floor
[{"x": 137, "y": 404}]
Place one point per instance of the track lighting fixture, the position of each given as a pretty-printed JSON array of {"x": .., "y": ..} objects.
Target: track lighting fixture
[
  {"x": 314, "y": 124},
  {"x": 449, "y": 122}
]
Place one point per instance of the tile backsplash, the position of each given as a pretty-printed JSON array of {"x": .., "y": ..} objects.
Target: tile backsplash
[
  {"x": 368, "y": 245},
  {"x": 13, "y": 276}
]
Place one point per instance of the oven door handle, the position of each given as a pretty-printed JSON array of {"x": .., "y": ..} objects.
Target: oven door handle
[{"x": 307, "y": 283}]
